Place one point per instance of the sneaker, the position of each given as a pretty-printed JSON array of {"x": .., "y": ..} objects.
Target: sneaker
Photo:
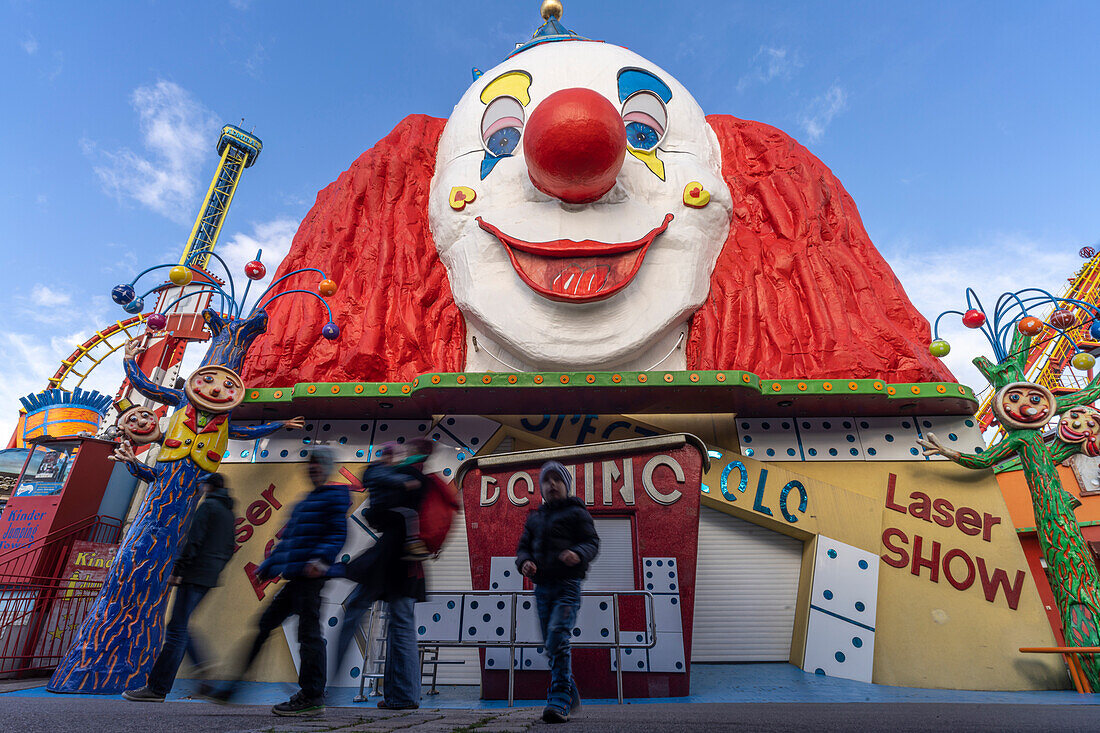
[
  {"x": 143, "y": 694},
  {"x": 553, "y": 715},
  {"x": 299, "y": 704},
  {"x": 408, "y": 706},
  {"x": 416, "y": 551}
]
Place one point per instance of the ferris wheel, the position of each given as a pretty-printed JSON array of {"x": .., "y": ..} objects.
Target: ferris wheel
[
  {"x": 1050, "y": 356},
  {"x": 93, "y": 352}
]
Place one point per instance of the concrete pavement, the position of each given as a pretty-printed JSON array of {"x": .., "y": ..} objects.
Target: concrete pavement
[{"x": 38, "y": 714}]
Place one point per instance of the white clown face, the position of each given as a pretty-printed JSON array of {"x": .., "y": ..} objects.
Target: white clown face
[{"x": 578, "y": 231}]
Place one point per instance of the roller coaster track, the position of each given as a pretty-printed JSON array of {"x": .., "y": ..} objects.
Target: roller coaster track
[{"x": 121, "y": 331}]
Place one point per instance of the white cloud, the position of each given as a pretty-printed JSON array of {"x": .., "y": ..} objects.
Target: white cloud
[
  {"x": 769, "y": 64},
  {"x": 936, "y": 279},
  {"x": 178, "y": 133},
  {"x": 273, "y": 237},
  {"x": 46, "y": 297},
  {"x": 30, "y": 44},
  {"x": 821, "y": 111}
]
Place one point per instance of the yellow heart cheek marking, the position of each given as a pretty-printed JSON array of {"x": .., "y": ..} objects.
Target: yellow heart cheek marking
[
  {"x": 695, "y": 195},
  {"x": 649, "y": 157},
  {"x": 460, "y": 196}
]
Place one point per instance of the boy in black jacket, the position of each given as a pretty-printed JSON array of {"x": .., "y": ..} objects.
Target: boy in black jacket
[
  {"x": 559, "y": 541},
  {"x": 208, "y": 548}
]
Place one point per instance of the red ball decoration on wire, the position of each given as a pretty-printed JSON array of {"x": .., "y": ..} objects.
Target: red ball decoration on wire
[
  {"x": 973, "y": 318},
  {"x": 156, "y": 321},
  {"x": 1029, "y": 325},
  {"x": 327, "y": 287},
  {"x": 255, "y": 270},
  {"x": 1062, "y": 318},
  {"x": 1087, "y": 253}
]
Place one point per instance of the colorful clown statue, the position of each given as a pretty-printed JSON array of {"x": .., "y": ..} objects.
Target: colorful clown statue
[
  {"x": 118, "y": 641},
  {"x": 580, "y": 210},
  {"x": 1023, "y": 409},
  {"x": 139, "y": 425}
]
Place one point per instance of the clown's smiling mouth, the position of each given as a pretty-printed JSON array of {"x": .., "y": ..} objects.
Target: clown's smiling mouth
[{"x": 576, "y": 272}]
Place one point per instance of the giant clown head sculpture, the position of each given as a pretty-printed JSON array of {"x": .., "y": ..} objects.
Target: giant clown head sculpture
[
  {"x": 578, "y": 211},
  {"x": 598, "y": 207}
]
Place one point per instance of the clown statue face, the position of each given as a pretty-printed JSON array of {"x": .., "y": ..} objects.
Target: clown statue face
[
  {"x": 1081, "y": 425},
  {"x": 578, "y": 207},
  {"x": 1023, "y": 405},
  {"x": 140, "y": 425},
  {"x": 215, "y": 389}
]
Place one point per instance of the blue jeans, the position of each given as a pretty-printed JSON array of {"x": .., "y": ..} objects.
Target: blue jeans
[
  {"x": 401, "y": 683},
  {"x": 177, "y": 640},
  {"x": 557, "y": 604}
]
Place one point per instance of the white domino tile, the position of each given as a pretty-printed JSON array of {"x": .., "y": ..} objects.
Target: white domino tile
[
  {"x": 503, "y": 575},
  {"x": 667, "y": 655},
  {"x": 957, "y": 432},
  {"x": 471, "y": 431},
  {"x": 634, "y": 659},
  {"x": 845, "y": 581},
  {"x": 837, "y": 648},
  {"x": 398, "y": 431},
  {"x": 439, "y": 619},
  {"x": 446, "y": 456},
  {"x": 286, "y": 445},
  {"x": 668, "y": 614},
  {"x": 487, "y": 618},
  {"x": 595, "y": 621},
  {"x": 498, "y": 658},
  {"x": 528, "y": 630},
  {"x": 769, "y": 439},
  {"x": 660, "y": 575},
  {"x": 829, "y": 439},
  {"x": 350, "y": 440},
  {"x": 534, "y": 658},
  {"x": 889, "y": 438}
]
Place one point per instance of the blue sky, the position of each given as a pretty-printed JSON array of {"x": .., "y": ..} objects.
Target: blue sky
[{"x": 965, "y": 132}]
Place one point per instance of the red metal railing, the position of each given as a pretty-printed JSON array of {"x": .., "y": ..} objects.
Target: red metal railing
[{"x": 40, "y": 611}]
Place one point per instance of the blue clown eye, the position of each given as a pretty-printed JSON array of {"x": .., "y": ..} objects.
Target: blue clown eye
[
  {"x": 503, "y": 141},
  {"x": 641, "y": 136}
]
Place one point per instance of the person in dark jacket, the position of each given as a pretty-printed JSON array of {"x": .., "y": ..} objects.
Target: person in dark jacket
[
  {"x": 558, "y": 543},
  {"x": 310, "y": 542},
  {"x": 387, "y": 572},
  {"x": 208, "y": 547}
]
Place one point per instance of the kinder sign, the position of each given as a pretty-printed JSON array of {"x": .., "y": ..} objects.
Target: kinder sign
[{"x": 648, "y": 492}]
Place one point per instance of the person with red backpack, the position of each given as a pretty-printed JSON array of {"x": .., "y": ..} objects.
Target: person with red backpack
[{"x": 392, "y": 568}]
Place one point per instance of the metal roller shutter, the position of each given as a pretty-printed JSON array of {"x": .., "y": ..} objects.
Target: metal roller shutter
[
  {"x": 745, "y": 591},
  {"x": 451, "y": 572},
  {"x": 613, "y": 568}
]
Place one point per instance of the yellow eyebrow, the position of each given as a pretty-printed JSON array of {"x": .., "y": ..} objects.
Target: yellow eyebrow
[{"x": 512, "y": 84}]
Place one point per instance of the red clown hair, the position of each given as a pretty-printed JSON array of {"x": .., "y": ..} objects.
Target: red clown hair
[{"x": 798, "y": 290}]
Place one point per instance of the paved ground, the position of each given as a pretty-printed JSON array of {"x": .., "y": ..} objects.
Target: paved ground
[{"x": 93, "y": 715}]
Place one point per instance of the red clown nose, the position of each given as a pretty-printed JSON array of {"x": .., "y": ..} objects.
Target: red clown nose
[{"x": 574, "y": 143}]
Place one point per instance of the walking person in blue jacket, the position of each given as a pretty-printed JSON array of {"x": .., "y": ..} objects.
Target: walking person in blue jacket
[
  {"x": 309, "y": 545},
  {"x": 559, "y": 542}
]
